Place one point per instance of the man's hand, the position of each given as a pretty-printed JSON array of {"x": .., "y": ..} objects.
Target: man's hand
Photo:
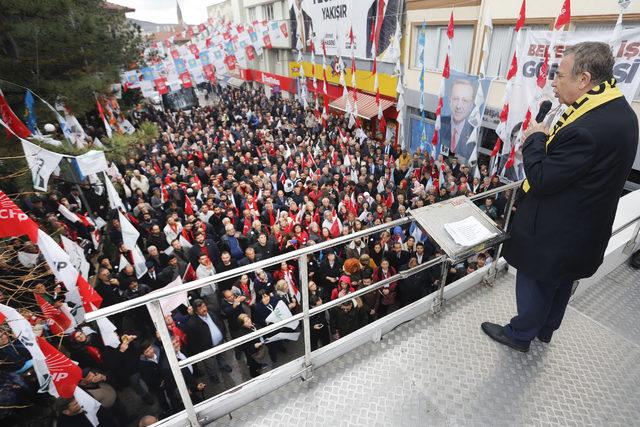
[{"x": 533, "y": 128}]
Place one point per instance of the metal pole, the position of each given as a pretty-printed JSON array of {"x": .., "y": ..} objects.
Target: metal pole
[
  {"x": 438, "y": 302},
  {"x": 158, "y": 318},
  {"x": 306, "y": 326}
]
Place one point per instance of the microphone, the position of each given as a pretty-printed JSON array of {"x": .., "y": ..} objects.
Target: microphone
[{"x": 545, "y": 107}]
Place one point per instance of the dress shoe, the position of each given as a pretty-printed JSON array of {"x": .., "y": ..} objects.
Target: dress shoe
[
  {"x": 545, "y": 338},
  {"x": 496, "y": 332}
]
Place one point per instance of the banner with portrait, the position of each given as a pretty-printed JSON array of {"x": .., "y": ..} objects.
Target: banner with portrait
[
  {"x": 626, "y": 51},
  {"x": 332, "y": 21}
]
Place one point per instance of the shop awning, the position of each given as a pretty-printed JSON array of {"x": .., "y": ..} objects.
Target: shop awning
[{"x": 367, "y": 107}]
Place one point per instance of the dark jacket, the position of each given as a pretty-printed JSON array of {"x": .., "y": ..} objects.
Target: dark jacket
[
  {"x": 563, "y": 223},
  {"x": 198, "y": 332},
  {"x": 212, "y": 251}
]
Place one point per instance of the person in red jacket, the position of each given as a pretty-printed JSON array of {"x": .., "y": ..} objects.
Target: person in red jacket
[
  {"x": 387, "y": 292},
  {"x": 344, "y": 287}
]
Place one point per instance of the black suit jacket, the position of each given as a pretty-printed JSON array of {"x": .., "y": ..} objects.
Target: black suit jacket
[
  {"x": 464, "y": 149},
  {"x": 199, "y": 334},
  {"x": 563, "y": 223}
]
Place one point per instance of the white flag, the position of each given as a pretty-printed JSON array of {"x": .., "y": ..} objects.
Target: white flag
[
  {"x": 129, "y": 233},
  {"x": 41, "y": 163},
  {"x": 108, "y": 332},
  {"x": 24, "y": 333},
  {"x": 169, "y": 304},
  {"x": 76, "y": 254},
  {"x": 114, "y": 198},
  {"x": 62, "y": 267},
  {"x": 89, "y": 405},
  {"x": 27, "y": 259}
]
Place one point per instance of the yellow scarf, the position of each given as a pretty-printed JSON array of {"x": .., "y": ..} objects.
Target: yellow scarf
[{"x": 601, "y": 94}]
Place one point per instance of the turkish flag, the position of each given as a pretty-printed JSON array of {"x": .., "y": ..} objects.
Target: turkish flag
[
  {"x": 161, "y": 85},
  {"x": 189, "y": 274},
  {"x": 496, "y": 148},
  {"x": 565, "y": 15},
  {"x": 14, "y": 222},
  {"x": 188, "y": 206},
  {"x": 267, "y": 41},
  {"x": 11, "y": 120},
  {"x": 64, "y": 372},
  {"x": 185, "y": 78},
  {"x": 57, "y": 321}
]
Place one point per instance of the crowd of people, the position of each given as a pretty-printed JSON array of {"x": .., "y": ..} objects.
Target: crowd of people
[{"x": 237, "y": 181}]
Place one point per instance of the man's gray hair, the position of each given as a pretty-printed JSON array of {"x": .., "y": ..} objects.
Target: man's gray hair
[{"x": 594, "y": 58}]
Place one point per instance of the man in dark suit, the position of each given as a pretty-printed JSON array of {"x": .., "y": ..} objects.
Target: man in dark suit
[
  {"x": 301, "y": 26},
  {"x": 575, "y": 178},
  {"x": 455, "y": 129}
]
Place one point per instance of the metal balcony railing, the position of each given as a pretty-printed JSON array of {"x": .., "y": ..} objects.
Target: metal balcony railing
[{"x": 152, "y": 300}]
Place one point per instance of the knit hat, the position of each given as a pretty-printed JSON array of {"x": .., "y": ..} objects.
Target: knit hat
[{"x": 346, "y": 279}]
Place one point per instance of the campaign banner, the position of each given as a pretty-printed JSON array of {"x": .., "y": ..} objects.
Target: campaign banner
[
  {"x": 526, "y": 94},
  {"x": 331, "y": 22},
  {"x": 284, "y": 83}
]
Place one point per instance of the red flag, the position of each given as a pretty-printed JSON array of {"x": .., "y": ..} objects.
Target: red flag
[
  {"x": 91, "y": 300},
  {"x": 335, "y": 227},
  {"x": 521, "y": 17},
  {"x": 65, "y": 374},
  {"x": 285, "y": 31},
  {"x": 165, "y": 194},
  {"x": 434, "y": 140},
  {"x": 57, "y": 321},
  {"x": 267, "y": 41},
  {"x": 504, "y": 114},
  {"x": 527, "y": 120},
  {"x": 189, "y": 274},
  {"x": 382, "y": 125},
  {"x": 512, "y": 157},
  {"x": 544, "y": 70},
  {"x": 380, "y": 19},
  {"x": 496, "y": 148},
  {"x": 14, "y": 222},
  {"x": 11, "y": 120},
  {"x": 450, "y": 27},
  {"x": 230, "y": 61},
  {"x": 209, "y": 72},
  {"x": 446, "y": 70},
  {"x": 565, "y": 15},
  {"x": 283, "y": 178},
  {"x": 514, "y": 67},
  {"x": 389, "y": 200},
  {"x": 175, "y": 54}
]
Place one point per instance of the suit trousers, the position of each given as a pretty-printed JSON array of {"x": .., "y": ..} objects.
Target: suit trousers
[{"x": 541, "y": 307}]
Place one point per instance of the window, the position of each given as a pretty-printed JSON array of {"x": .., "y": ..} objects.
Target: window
[
  {"x": 267, "y": 12},
  {"x": 436, "y": 47},
  {"x": 501, "y": 47},
  {"x": 251, "y": 12}
]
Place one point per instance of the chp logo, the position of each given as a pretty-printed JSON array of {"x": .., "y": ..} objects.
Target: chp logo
[{"x": 8, "y": 210}]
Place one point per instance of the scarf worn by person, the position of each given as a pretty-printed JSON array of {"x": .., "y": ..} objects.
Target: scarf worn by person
[{"x": 605, "y": 92}]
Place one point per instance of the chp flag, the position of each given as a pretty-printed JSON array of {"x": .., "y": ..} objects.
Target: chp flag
[{"x": 41, "y": 162}]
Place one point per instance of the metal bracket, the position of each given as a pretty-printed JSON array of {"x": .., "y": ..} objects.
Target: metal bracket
[{"x": 631, "y": 244}]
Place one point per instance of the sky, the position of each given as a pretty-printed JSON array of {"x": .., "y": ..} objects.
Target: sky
[{"x": 164, "y": 11}]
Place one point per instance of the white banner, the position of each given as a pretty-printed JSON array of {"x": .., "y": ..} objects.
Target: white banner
[
  {"x": 531, "y": 56},
  {"x": 41, "y": 162},
  {"x": 169, "y": 304},
  {"x": 331, "y": 22},
  {"x": 92, "y": 162}
]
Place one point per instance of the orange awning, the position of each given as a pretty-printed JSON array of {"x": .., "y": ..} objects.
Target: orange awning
[{"x": 367, "y": 107}]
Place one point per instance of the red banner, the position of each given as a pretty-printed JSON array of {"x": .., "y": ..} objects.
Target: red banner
[
  {"x": 250, "y": 53},
  {"x": 230, "y": 61},
  {"x": 283, "y": 82},
  {"x": 267, "y": 41},
  {"x": 11, "y": 120},
  {"x": 194, "y": 49},
  {"x": 14, "y": 222},
  {"x": 185, "y": 79},
  {"x": 284, "y": 29},
  {"x": 161, "y": 85},
  {"x": 209, "y": 72},
  {"x": 175, "y": 54},
  {"x": 190, "y": 32}
]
